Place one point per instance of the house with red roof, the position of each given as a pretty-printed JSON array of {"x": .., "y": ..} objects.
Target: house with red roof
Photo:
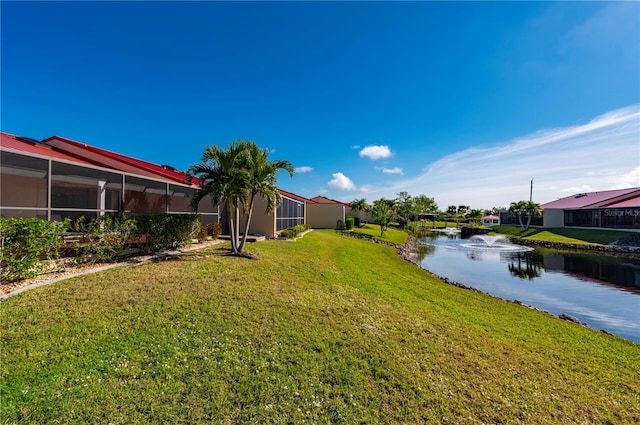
[
  {"x": 325, "y": 213},
  {"x": 59, "y": 178},
  {"x": 609, "y": 209}
]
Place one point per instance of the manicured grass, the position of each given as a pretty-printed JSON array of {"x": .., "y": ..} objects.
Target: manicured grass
[
  {"x": 392, "y": 235},
  {"x": 565, "y": 235},
  {"x": 327, "y": 329}
]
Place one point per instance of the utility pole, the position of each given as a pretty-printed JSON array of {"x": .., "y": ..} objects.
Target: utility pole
[{"x": 531, "y": 191}]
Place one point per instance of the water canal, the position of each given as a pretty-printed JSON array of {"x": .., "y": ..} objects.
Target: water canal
[{"x": 600, "y": 290}]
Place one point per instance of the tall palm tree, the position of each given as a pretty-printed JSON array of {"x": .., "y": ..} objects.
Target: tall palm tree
[
  {"x": 223, "y": 175},
  {"x": 262, "y": 182}
]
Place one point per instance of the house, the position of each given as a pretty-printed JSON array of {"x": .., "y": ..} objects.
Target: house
[
  {"x": 291, "y": 212},
  {"x": 325, "y": 213},
  {"x": 609, "y": 209},
  {"x": 60, "y": 178}
]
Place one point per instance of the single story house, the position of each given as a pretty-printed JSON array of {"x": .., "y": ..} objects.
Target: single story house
[
  {"x": 325, "y": 213},
  {"x": 59, "y": 178},
  {"x": 609, "y": 209}
]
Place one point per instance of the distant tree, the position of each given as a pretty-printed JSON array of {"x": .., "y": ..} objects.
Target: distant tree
[
  {"x": 462, "y": 210},
  {"x": 452, "y": 210},
  {"x": 405, "y": 208},
  {"x": 384, "y": 213},
  {"x": 424, "y": 204},
  {"x": 475, "y": 215},
  {"x": 359, "y": 205}
]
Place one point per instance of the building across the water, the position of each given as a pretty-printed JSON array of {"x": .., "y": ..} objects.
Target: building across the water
[{"x": 609, "y": 209}]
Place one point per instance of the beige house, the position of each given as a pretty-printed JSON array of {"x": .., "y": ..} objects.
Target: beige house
[{"x": 325, "y": 213}]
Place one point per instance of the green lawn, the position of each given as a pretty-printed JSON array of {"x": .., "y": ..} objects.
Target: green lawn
[
  {"x": 392, "y": 235},
  {"x": 327, "y": 329},
  {"x": 565, "y": 235}
]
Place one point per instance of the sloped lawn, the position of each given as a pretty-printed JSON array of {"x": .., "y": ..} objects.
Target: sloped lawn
[{"x": 327, "y": 329}]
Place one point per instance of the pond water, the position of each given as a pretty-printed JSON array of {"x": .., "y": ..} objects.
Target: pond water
[{"x": 600, "y": 290}]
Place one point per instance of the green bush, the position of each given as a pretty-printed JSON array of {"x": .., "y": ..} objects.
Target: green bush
[
  {"x": 412, "y": 228},
  {"x": 348, "y": 222},
  {"x": 25, "y": 243},
  {"x": 294, "y": 231},
  {"x": 105, "y": 238},
  {"x": 159, "y": 232},
  {"x": 288, "y": 233}
]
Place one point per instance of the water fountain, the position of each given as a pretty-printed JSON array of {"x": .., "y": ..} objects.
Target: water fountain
[{"x": 493, "y": 243}]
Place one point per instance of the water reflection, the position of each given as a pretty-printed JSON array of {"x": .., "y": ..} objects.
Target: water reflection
[
  {"x": 602, "y": 291},
  {"x": 525, "y": 265}
]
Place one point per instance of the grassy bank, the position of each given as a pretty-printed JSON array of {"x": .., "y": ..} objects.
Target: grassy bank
[
  {"x": 564, "y": 235},
  {"x": 391, "y": 235},
  {"x": 327, "y": 329}
]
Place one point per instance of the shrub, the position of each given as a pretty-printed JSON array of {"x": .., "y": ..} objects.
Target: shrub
[
  {"x": 412, "y": 228},
  {"x": 349, "y": 222},
  {"x": 25, "y": 243},
  {"x": 159, "y": 232},
  {"x": 106, "y": 237},
  {"x": 288, "y": 233},
  {"x": 214, "y": 230}
]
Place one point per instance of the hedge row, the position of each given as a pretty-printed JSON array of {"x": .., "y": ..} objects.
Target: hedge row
[{"x": 29, "y": 243}]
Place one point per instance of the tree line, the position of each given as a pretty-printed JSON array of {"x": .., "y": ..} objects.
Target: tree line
[{"x": 405, "y": 209}]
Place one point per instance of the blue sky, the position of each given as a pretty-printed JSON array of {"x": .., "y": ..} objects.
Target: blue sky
[{"x": 464, "y": 102}]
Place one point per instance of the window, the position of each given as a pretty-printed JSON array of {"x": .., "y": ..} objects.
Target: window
[
  {"x": 23, "y": 181},
  {"x": 145, "y": 196},
  {"x": 74, "y": 187},
  {"x": 289, "y": 213}
]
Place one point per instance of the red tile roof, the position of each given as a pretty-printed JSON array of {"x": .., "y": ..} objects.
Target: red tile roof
[
  {"x": 296, "y": 197},
  {"x": 34, "y": 147},
  {"x": 595, "y": 199},
  {"x": 324, "y": 200},
  {"x": 115, "y": 160}
]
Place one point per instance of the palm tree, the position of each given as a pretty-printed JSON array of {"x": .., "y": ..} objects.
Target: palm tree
[
  {"x": 223, "y": 176},
  {"x": 262, "y": 182},
  {"x": 526, "y": 208},
  {"x": 384, "y": 213},
  {"x": 532, "y": 209},
  {"x": 518, "y": 209},
  {"x": 359, "y": 205}
]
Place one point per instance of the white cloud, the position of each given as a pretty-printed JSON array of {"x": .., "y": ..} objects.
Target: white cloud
[
  {"x": 375, "y": 152},
  {"x": 303, "y": 169},
  {"x": 341, "y": 182},
  {"x": 355, "y": 147},
  {"x": 630, "y": 179},
  {"x": 395, "y": 170},
  {"x": 602, "y": 154}
]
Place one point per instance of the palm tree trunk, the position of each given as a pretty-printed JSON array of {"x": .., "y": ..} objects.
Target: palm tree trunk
[
  {"x": 247, "y": 223},
  {"x": 232, "y": 230}
]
